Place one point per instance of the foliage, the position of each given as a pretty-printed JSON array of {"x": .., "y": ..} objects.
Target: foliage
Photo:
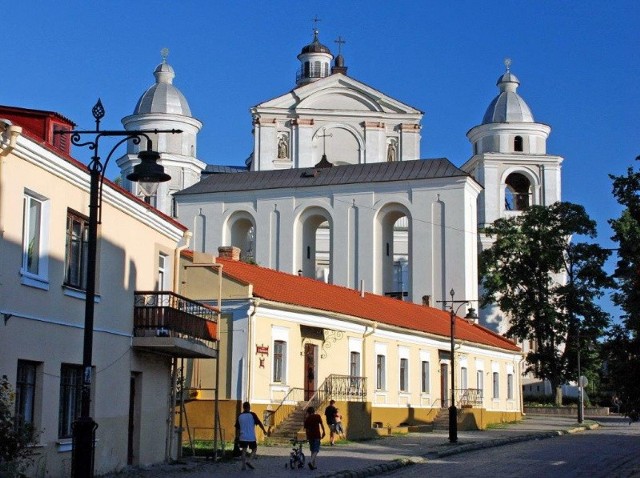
[
  {"x": 16, "y": 455},
  {"x": 623, "y": 346},
  {"x": 547, "y": 286}
]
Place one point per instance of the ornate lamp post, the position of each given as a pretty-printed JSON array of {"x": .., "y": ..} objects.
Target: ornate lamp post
[
  {"x": 471, "y": 315},
  {"x": 148, "y": 174}
]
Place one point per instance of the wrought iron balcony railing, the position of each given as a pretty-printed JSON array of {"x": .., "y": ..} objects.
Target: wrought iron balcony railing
[{"x": 166, "y": 314}]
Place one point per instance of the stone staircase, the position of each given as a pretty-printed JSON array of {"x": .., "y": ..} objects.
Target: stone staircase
[
  {"x": 290, "y": 427},
  {"x": 442, "y": 420}
]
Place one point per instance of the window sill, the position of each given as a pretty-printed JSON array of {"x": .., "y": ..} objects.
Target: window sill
[
  {"x": 34, "y": 281},
  {"x": 64, "y": 445},
  {"x": 78, "y": 293}
]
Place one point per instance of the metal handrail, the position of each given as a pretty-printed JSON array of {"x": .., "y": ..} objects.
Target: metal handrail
[{"x": 287, "y": 405}]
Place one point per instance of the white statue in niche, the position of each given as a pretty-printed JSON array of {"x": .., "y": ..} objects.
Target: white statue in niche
[
  {"x": 283, "y": 147},
  {"x": 391, "y": 152}
]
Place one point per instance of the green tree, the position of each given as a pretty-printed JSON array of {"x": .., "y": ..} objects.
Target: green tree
[
  {"x": 624, "y": 344},
  {"x": 15, "y": 437},
  {"x": 547, "y": 285}
]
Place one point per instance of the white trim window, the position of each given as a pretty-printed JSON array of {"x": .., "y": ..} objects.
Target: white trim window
[
  {"x": 425, "y": 378},
  {"x": 34, "y": 268},
  {"x": 163, "y": 272},
  {"x": 403, "y": 379},
  {"x": 26, "y": 392},
  {"x": 75, "y": 263},
  {"x": 464, "y": 381},
  {"x": 496, "y": 385},
  {"x": 404, "y": 375},
  {"x": 70, "y": 398},
  {"x": 480, "y": 382},
  {"x": 354, "y": 364},
  {"x": 279, "y": 361},
  {"x": 510, "y": 386},
  {"x": 381, "y": 370}
]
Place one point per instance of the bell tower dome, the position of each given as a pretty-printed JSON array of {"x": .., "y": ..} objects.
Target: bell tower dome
[{"x": 163, "y": 106}]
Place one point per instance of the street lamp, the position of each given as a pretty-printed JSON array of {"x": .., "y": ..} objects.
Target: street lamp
[
  {"x": 148, "y": 174},
  {"x": 471, "y": 315}
]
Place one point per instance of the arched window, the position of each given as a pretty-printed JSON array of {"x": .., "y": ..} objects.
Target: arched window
[
  {"x": 517, "y": 143},
  {"x": 307, "y": 69},
  {"x": 317, "y": 72},
  {"x": 517, "y": 192}
]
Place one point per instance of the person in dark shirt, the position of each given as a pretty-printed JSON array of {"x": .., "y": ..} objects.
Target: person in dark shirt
[
  {"x": 315, "y": 432},
  {"x": 330, "y": 417},
  {"x": 246, "y": 432}
]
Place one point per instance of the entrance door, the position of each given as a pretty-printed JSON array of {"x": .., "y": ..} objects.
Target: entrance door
[
  {"x": 310, "y": 383},
  {"x": 444, "y": 384}
]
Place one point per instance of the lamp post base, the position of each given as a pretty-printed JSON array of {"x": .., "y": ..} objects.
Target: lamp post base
[
  {"x": 453, "y": 424},
  {"x": 84, "y": 435}
]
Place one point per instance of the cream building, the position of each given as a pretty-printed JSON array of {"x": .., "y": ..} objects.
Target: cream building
[
  {"x": 287, "y": 342},
  {"x": 139, "y": 331}
]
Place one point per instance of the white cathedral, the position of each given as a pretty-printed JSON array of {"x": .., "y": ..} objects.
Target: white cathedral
[{"x": 336, "y": 187}]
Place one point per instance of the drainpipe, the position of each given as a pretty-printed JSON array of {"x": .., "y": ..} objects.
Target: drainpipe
[
  {"x": 8, "y": 138},
  {"x": 176, "y": 260},
  {"x": 366, "y": 334},
  {"x": 255, "y": 303}
]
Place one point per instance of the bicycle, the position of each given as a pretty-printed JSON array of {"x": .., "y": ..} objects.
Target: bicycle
[{"x": 296, "y": 457}]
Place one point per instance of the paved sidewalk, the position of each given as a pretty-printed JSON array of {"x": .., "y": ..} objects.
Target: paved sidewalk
[{"x": 373, "y": 457}]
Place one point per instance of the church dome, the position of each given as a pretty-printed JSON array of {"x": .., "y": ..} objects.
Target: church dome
[
  {"x": 315, "y": 46},
  {"x": 508, "y": 106},
  {"x": 163, "y": 97}
]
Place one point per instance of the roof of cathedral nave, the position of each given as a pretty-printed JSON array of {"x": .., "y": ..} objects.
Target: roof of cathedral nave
[
  {"x": 284, "y": 288},
  {"x": 339, "y": 175}
]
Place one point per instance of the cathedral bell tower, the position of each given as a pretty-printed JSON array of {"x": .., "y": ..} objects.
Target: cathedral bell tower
[
  {"x": 163, "y": 106},
  {"x": 510, "y": 161}
]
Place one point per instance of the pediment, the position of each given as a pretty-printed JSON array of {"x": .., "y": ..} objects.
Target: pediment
[{"x": 338, "y": 92}]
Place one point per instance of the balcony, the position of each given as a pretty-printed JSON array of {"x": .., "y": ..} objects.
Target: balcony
[{"x": 169, "y": 324}]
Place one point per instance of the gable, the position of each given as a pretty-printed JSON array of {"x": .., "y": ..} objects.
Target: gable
[{"x": 339, "y": 92}]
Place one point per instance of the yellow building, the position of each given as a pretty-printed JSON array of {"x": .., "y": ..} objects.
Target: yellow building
[
  {"x": 139, "y": 328},
  {"x": 287, "y": 342}
]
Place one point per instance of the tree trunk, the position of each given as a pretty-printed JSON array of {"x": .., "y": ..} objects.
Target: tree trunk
[{"x": 558, "y": 395}]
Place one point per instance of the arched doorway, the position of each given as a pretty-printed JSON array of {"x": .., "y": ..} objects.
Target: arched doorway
[
  {"x": 394, "y": 251},
  {"x": 315, "y": 239},
  {"x": 241, "y": 234}
]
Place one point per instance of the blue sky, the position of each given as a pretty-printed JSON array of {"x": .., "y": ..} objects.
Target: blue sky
[{"x": 577, "y": 62}]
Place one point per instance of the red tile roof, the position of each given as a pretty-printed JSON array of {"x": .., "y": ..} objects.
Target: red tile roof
[{"x": 291, "y": 289}]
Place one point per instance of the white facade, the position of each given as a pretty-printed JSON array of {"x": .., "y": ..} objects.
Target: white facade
[{"x": 441, "y": 216}]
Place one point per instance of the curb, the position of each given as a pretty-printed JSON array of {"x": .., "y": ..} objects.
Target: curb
[
  {"x": 403, "y": 462},
  {"x": 375, "y": 469}
]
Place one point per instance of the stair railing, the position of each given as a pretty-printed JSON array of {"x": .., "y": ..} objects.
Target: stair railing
[{"x": 273, "y": 418}]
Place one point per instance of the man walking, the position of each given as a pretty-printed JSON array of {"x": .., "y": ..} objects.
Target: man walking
[
  {"x": 330, "y": 417},
  {"x": 315, "y": 432},
  {"x": 246, "y": 431}
]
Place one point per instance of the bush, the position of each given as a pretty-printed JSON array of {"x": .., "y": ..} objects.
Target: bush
[{"x": 16, "y": 454}]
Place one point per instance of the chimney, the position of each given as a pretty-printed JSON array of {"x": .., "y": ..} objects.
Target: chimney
[
  {"x": 231, "y": 253},
  {"x": 426, "y": 300}
]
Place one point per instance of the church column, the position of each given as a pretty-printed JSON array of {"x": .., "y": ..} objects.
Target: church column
[
  {"x": 302, "y": 143},
  {"x": 375, "y": 139},
  {"x": 409, "y": 141}
]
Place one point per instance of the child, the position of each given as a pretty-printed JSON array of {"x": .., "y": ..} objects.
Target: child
[{"x": 338, "y": 424}]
